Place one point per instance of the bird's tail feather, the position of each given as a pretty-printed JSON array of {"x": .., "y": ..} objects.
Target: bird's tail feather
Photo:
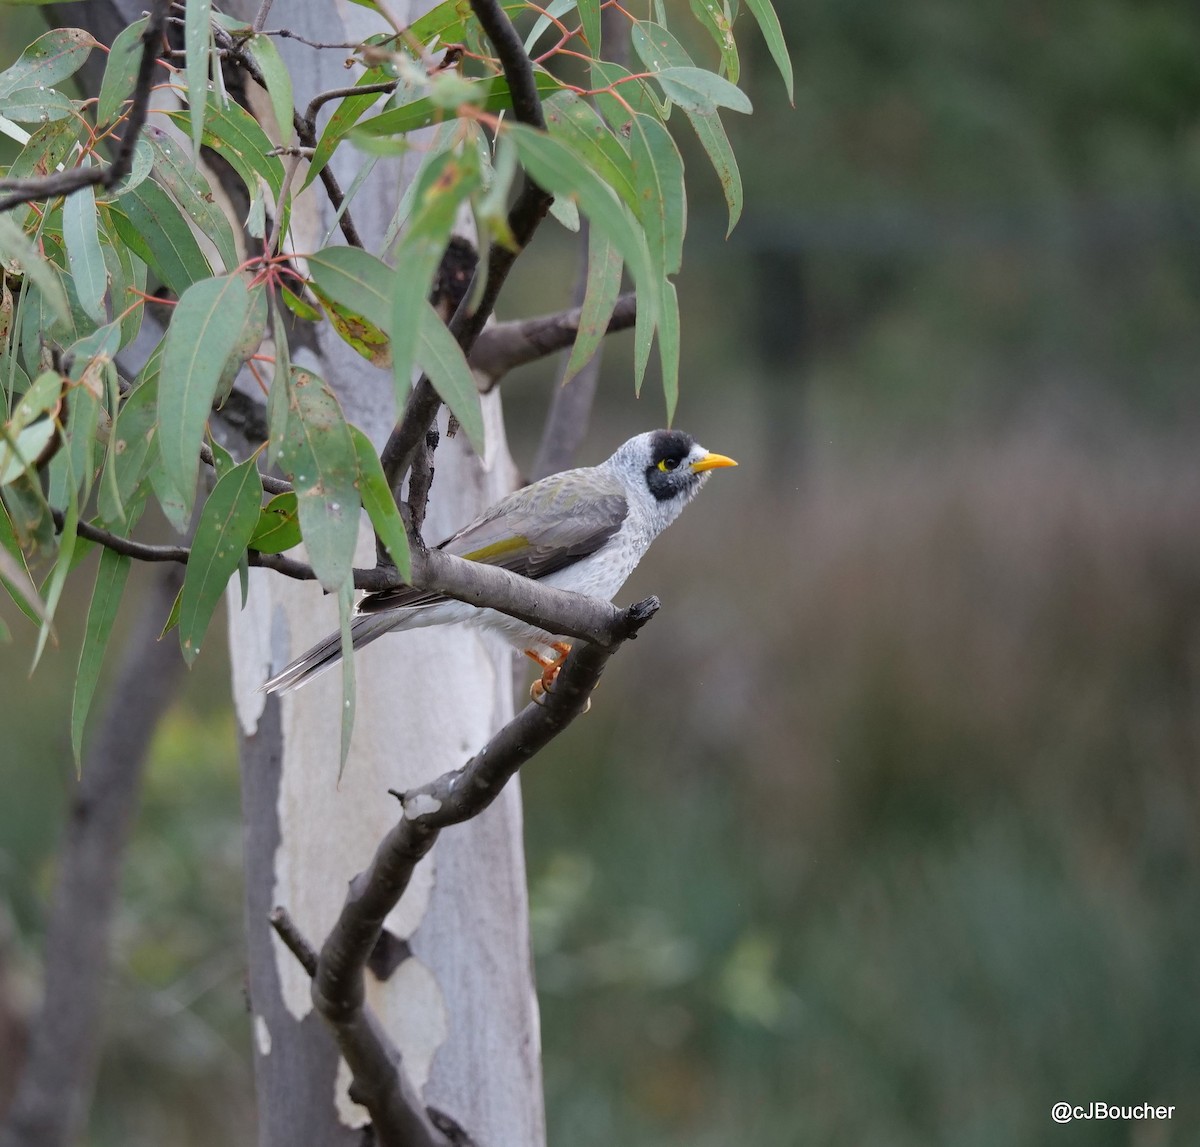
[{"x": 326, "y": 653}]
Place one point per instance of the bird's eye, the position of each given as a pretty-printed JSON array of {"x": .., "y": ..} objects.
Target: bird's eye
[{"x": 668, "y": 464}]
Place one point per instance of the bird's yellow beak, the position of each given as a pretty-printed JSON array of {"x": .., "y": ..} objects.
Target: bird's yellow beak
[{"x": 712, "y": 462}]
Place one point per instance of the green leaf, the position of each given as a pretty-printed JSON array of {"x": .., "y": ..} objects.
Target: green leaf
[
  {"x": 48, "y": 147},
  {"x": 558, "y": 169},
  {"x": 445, "y": 185},
  {"x": 225, "y": 528},
  {"x": 197, "y": 40},
  {"x": 600, "y": 296},
  {"x": 235, "y": 135},
  {"x": 712, "y": 15},
  {"x": 635, "y": 94},
  {"x": 173, "y": 615},
  {"x": 151, "y": 223},
  {"x": 279, "y": 83},
  {"x": 277, "y": 398},
  {"x": 661, "y": 196},
  {"x": 448, "y": 22},
  {"x": 33, "y": 105},
  {"x": 768, "y": 22},
  {"x": 377, "y": 500},
  {"x": 589, "y": 16},
  {"x": 248, "y": 339},
  {"x": 204, "y": 329},
  {"x": 49, "y": 60},
  {"x": 14, "y": 573},
  {"x": 127, "y": 278},
  {"x": 361, "y": 283},
  {"x": 694, "y": 89},
  {"x": 581, "y": 128},
  {"x": 120, "y": 73},
  {"x": 652, "y": 41},
  {"x": 440, "y": 357},
  {"x": 130, "y": 444},
  {"x": 318, "y": 456},
  {"x": 668, "y": 348},
  {"x": 177, "y": 172},
  {"x": 345, "y": 617},
  {"x": 491, "y": 94},
  {"x": 106, "y": 599},
  {"x": 58, "y": 576},
  {"x": 81, "y": 233},
  {"x": 16, "y": 249},
  {"x": 363, "y": 335},
  {"x": 278, "y": 526}
]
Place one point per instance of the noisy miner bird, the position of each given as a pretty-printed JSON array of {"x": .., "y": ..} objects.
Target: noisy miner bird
[{"x": 583, "y": 530}]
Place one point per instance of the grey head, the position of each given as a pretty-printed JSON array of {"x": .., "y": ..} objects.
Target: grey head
[{"x": 663, "y": 470}]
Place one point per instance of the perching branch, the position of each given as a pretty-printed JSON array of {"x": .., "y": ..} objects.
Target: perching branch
[
  {"x": 338, "y": 989},
  {"x": 506, "y": 346},
  {"x": 65, "y": 182}
]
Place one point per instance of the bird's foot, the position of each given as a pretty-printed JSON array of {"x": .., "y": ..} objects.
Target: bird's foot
[{"x": 550, "y": 669}]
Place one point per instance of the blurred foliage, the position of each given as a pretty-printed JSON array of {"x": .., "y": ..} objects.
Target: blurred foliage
[{"x": 885, "y": 832}]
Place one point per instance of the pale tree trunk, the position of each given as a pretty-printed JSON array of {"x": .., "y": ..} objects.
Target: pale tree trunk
[{"x": 460, "y": 1001}]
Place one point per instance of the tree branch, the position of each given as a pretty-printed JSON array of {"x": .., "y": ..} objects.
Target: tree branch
[
  {"x": 65, "y": 182},
  {"x": 505, "y": 346},
  {"x": 338, "y": 989}
]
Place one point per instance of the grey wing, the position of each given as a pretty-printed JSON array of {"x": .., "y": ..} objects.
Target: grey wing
[{"x": 533, "y": 532}]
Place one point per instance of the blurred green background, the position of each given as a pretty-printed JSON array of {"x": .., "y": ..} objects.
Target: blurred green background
[{"x": 885, "y": 831}]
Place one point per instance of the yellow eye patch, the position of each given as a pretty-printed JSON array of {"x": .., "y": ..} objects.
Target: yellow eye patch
[{"x": 667, "y": 464}]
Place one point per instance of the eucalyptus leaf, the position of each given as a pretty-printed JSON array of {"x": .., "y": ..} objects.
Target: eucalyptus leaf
[
  {"x": 225, "y": 527},
  {"x": 106, "y": 600}
]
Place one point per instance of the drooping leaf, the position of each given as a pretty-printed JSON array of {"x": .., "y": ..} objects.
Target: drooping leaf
[
  {"x": 177, "y": 172},
  {"x": 363, "y": 335},
  {"x": 654, "y": 42},
  {"x": 377, "y": 500},
  {"x": 31, "y": 426},
  {"x": 661, "y": 196},
  {"x": 440, "y": 357},
  {"x": 558, "y": 169},
  {"x": 764, "y": 13},
  {"x": 223, "y": 531},
  {"x": 445, "y": 185},
  {"x": 81, "y": 232},
  {"x": 197, "y": 41},
  {"x": 53, "y": 588},
  {"x": 248, "y": 339},
  {"x": 151, "y": 223},
  {"x": 578, "y": 125},
  {"x": 636, "y": 94},
  {"x": 130, "y": 453},
  {"x": 279, "y": 83},
  {"x": 589, "y": 15},
  {"x": 120, "y": 73},
  {"x": 712, "y": 16},
  {"x": 600, "y": 297},
  {"x": 668, "y": 348},
  {"x": 318, "y": 456},
  {"x": 277, "y": 397},
  {"x": 204, "y": 329},
  {"x": 49, "y": 60},
  {"x": 127, "y": 279},
  {"x": 106, "y": 599},
  {"x": 236, "y": 136},
  {"x": 278, "y": 526}
]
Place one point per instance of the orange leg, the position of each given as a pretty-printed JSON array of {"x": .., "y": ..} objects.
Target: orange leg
[{"x": 550, "y": 667}]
